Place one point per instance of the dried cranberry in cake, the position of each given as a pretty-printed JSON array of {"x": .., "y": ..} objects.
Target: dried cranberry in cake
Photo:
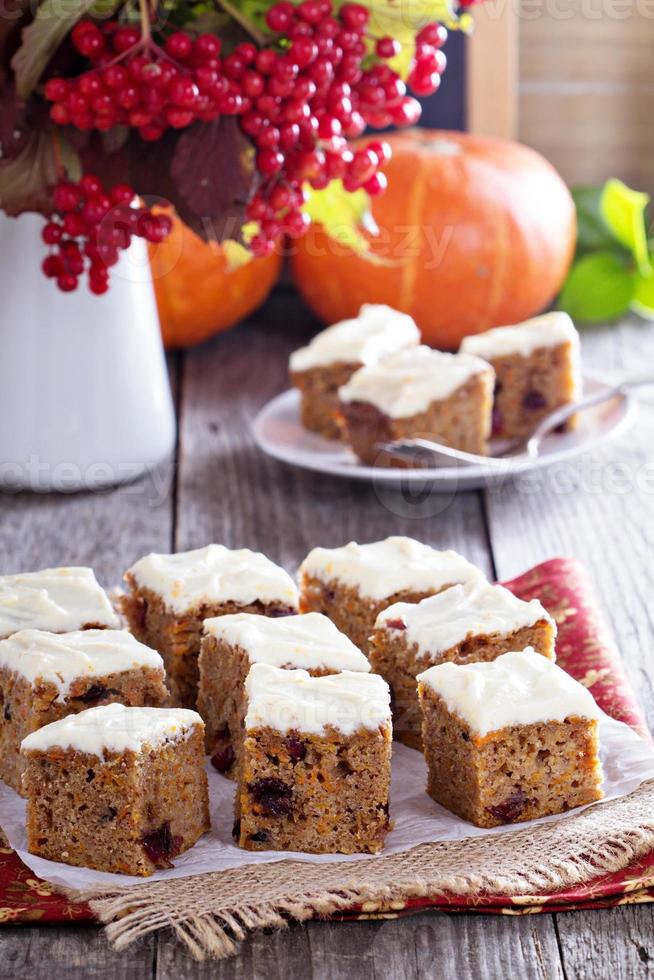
[
  {"x": 232, "y": 644},
  {"x": 115, "y": 788},
  {"x": 160, "y": 846},
  {"x": 51, "y": 675},
  {"x": 181, "y": 591},
  {"x": 315, "y": 768},
  {"x": 530, "y": 745},
  {"x": 467, "y": 623},
  {"x": 537, "y": 367},
  {"x": 59, "y": 600},
  {"x": 332, "y": 357},
  {"x": 272, "y": 795},
  {"x": 415, "y": 393},
  {"x": 353, "y": 584},
  {"x": 533, "y": 399}
]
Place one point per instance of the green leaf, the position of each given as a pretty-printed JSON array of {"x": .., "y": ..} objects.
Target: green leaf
[
  {"x": 623, "y": 210},
  {"x": 643, "y": 300},
  {"x": 593, "y": 233},
  {"x": 599, "y": 287},
  {"x": 343, "y": 215},
  {"x": 53, "y": 20}
]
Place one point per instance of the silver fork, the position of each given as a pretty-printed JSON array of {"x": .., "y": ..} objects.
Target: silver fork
[{"x": 423, "y": 452}]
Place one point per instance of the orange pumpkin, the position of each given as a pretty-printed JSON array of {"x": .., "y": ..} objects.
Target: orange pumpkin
[
  {"x": 197, "y": 293},
  {"x": 474, "y": 232}
]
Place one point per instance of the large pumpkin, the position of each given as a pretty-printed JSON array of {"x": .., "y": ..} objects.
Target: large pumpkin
[
  {"x": 474, "y": 232},
  {"x": 198, "y": 293}
]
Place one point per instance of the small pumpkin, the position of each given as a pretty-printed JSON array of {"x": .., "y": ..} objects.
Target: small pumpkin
[
  {"x": 474, "y": 232},
  {"x": 198, "y": 292}
]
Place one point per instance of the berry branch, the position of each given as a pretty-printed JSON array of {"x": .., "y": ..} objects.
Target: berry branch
[{"x": 299, "y": 92}]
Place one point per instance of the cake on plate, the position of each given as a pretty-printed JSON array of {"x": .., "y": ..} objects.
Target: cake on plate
[
  {"x": 171, "y": 596},
  {"x": 418, "y": 393},
  {"x": 316, "y": 762},
  {"x": 230, "y": 646},
  {"x": 464, "y": 624},
  {"x": 115, "y": 788},
  {"x": 537, "y": 369},
  {"x": 354, "y": 583},
  {"x": 509, "y": 740},
  {"x": 319, "y": 369},
  {"x": 46, "y": 676},
  {"x": 55, "y": 599}
]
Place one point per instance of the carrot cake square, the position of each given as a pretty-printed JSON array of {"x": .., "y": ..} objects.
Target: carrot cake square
[
  {"x": 319, "y": 369},
  {"x": 55, "y": 599},
  {"x": 537, "y": 369},
  {"x": 316, "y": 762},
  {"x": 232, "y": 644},
  {"x": 353, "y": 584},
  {"x": 418, "y": 393},
  {"x": 46, "y": 676},
  {"x": 464, "y": 624},
  {"x": 171, "y": 596},
  {"x": 116, "y": 788},
  {"x": 509, "y": 740}
]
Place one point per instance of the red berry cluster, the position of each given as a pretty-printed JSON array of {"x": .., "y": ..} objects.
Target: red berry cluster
[
  {"x": 135, "y": 83},
  {"x": 429, "y": 61},
  {"x": 88, "y": 229},
  {"x": 321, "y": 85}
]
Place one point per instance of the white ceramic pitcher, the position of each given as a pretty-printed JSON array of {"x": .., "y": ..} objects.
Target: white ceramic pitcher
[{"x": 85, "y": 400}]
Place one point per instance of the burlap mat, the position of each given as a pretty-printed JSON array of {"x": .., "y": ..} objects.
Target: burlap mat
[{"x": 212, "y": 913}]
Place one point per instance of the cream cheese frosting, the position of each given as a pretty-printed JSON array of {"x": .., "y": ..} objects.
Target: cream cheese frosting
[
  {"x": 56, "y": 599},
  {"x": 309, "y": 641},
  {"x": 293, "y": 699},
  {"x": 442, "y": 621},
  {"x": 113, "y": 728},
  {"x": 214, "y": 574},
  {"x": 518, "y": 688},
  {"x": 396, "y": 564},
  {"x": 62, "y": 658},
  {"x": 376, "y": 332},
  {"x": 547, "y": 330},
  {"x": 408, "y": 382}
]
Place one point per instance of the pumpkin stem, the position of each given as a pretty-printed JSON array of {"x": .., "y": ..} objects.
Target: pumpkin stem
[{"x": 444, "y": 147}]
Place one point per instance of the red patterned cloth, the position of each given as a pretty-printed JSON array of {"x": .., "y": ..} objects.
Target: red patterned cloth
[{"x": 584, "y": 648}]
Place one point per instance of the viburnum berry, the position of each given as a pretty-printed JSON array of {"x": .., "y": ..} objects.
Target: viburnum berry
[
  {"x": 89, "y": 227},
  {"x": 387, "y": 47}
]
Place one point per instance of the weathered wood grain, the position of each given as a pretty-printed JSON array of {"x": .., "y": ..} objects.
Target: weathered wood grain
[
  {"x": 450, "y": 947},
  {"x": 616, "y": 943},
  {"x": 70, "y": 953},
  {"x": 228, "y": 491}
]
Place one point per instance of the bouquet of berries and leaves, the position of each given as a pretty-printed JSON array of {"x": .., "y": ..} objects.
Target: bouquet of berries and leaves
[{"x": 239, "y": 114}]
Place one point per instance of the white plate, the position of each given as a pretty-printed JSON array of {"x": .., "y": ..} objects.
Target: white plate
[{"x": 278, "y": 432}]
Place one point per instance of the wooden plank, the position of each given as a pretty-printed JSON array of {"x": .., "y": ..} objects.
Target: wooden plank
[
  {"x": 599, "y": 509},
  {"x": 579, "y": 47},
  {"x": 70, "y": 952},
  {"x": 263, "y": 956},
  {"x": 425, "y": 945},
  {"x": 107, "y": 530},
  {"x": 617, "y": 943},
  {"x": 492, "y": 71},
  {"x": 229, "y": 492},
  {"x": 450, "y": 947}
]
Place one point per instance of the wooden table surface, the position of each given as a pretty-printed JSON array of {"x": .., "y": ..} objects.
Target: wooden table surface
[{"x": 599, "y": 509}]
